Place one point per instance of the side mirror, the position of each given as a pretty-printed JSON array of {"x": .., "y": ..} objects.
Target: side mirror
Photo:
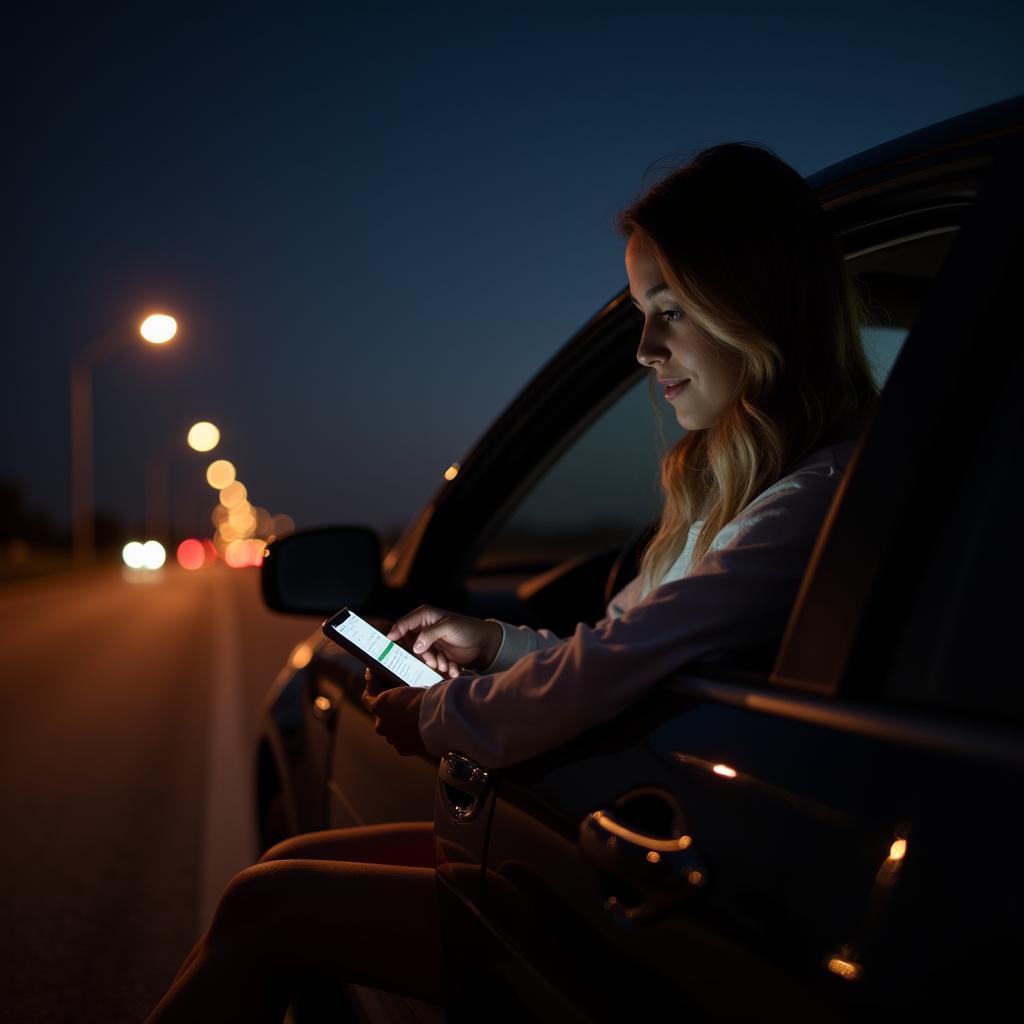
[{"x": 316, "y": 572}]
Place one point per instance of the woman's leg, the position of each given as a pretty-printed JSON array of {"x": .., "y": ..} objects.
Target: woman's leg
[
  {"x": 409, "y": 843},
  {"x": 402, "y": 843},
  {"x": 281, "y": 920}
]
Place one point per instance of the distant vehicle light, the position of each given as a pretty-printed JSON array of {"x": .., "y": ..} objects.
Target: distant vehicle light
[
  {"x": 133, "y": 555},
  {"x": 153, "y": 554},
  {"x": 191, "y": 554}
]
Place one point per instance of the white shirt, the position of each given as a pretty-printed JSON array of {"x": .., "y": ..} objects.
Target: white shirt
[{"x": 542, "y": 690}]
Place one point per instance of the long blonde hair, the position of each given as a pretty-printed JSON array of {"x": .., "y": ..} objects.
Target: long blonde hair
[{"x": 745, "y": 245}]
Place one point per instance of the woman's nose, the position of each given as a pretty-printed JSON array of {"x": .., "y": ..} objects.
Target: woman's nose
[{"x": 650, "y": 350}]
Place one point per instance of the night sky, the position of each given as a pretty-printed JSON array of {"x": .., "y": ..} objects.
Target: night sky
[{"x": 374, "y": 229}]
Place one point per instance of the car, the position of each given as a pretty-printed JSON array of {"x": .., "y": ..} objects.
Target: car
[{"x": 832, "y": 840}]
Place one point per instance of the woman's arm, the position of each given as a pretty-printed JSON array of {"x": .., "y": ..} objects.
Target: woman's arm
[
  {"x": 518, "y": 641},
  {"x": 733, "y": 606}
]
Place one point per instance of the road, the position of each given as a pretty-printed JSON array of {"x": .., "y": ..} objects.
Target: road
[{"x": 128, "y": 707}]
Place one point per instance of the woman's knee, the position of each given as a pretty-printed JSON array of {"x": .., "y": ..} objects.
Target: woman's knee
[
  {"x": 409, "y": 843},
  {"x": 287, "y": 849},
  {"x": 244, "y": 911}
]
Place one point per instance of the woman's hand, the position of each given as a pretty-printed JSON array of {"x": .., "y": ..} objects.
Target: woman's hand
[
  {"x": 446, "y": 641},
  {"x": 396, "y": 716}
]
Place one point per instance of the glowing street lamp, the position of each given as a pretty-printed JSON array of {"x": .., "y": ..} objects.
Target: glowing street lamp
[{"x": 156, "y": 329}]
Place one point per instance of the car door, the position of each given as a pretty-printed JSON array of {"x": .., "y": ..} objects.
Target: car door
[{"x": 835, "y": 841}]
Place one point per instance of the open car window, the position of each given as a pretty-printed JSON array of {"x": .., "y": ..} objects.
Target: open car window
[
  {"x": 892, "y": 280},
  {"x": 604, "y": 489},
  {"x": 601, "y": 491}
]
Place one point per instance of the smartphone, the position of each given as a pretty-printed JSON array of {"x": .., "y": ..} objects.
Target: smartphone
[{"x": 377, "y": 652}]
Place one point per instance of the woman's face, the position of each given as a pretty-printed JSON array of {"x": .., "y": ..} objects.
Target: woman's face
[{"x": 699, "y": 379}]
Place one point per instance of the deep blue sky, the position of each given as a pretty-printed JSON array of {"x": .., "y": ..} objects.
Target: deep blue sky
[{"x": 375, "y": 229}]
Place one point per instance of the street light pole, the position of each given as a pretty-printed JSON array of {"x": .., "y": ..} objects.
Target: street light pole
[
  {"x": 82, "y": 519},
  {"x": 158, "y": 489},
  {"x": 155, "y": 329}
]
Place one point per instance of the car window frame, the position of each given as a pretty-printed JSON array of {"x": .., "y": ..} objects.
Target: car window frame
[
  {"x": 582, "y": 380},
  {"x": 828, "y": 630}
]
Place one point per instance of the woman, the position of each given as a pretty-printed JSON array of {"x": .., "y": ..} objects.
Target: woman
[{"x": 751, "y": 328}]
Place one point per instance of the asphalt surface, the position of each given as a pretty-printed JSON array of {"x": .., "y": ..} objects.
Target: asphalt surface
[{"x": 128, "y": 710}]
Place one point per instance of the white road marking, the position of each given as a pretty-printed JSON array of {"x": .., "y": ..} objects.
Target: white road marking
[{"x": 229, "y": 829}]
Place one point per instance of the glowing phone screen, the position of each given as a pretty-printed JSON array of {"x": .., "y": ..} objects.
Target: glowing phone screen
[{"x": 394, "y": 658}]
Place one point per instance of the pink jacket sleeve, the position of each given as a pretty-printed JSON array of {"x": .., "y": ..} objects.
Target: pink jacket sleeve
[{"x": 733, "y": 606}]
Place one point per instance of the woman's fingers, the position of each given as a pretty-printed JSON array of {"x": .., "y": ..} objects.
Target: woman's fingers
[
  {"x": 429, "y": 634},
  {"x": 415, "y": 620},
  {"x": 373, "y": 685}
]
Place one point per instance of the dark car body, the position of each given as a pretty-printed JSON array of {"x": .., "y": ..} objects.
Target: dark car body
[{"x": 833, "y": 840}]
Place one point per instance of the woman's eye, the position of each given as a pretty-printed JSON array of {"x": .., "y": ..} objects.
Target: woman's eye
[{"x": 672, "y": 315}]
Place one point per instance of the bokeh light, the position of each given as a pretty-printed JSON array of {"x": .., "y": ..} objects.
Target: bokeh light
[
  {"x": 242, "y": 519},
  {"x": 203, "y": 437},
  {"x": 234, "y": 494},
  {"x": 153, "y": 554},
  {"x": 132, "y": 555},
  {"x": 219, "y": 515},
  {"x": 283, "y": 525},
  {"x": 150, "y": 555},
  {"x": 264, "y": 522},
  {"x": 234, "y": 553},
  {"x": 220, "y": 474},
  {"x": 209, "y": 551},
  {"x": 240, "y": 553},
  {"x": 227, "y": 533},
  {"x": 191, "y": 554},
  {"x": 158, "y": 328},
  {"x": 301, "y": 656}
]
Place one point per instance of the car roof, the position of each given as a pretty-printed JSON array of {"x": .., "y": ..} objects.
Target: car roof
[{"x": 934, "y": 144}]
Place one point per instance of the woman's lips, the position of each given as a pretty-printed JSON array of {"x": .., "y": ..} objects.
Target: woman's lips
[{"x": 674, "y": 388}]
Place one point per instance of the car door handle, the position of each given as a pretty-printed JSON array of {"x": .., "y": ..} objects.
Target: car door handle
[
  {"x": 646, "y": 874},
  {"x": 463, "y": 785}
]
